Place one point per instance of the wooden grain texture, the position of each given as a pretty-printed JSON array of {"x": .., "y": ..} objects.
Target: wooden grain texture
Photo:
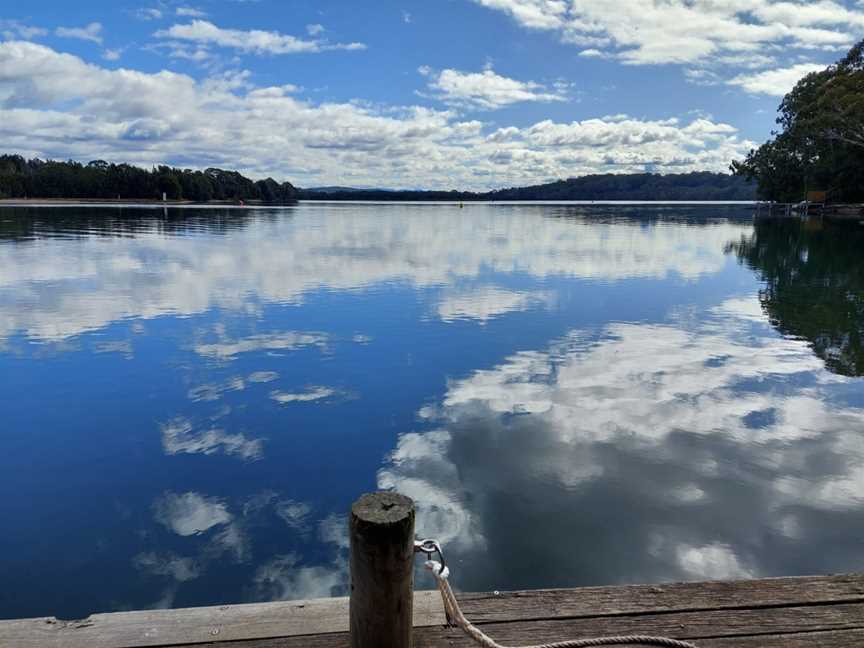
[
  {"x": 428, "y": 638},
  {"x": 382, "y": 571},
  {"x": 630, "y": 599},
  {"x": 715, "y": 628},
  {"x": 198, "y": 625},
  {"x": 825, "y": 611}
]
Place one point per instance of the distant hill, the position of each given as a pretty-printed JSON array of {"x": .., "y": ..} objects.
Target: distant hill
[{"x": 702, "y": 185}]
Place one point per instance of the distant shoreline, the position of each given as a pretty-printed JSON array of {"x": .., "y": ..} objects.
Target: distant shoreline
[
  {"x": 119, "y": 201},
  {"x": 96, "y": 202}
]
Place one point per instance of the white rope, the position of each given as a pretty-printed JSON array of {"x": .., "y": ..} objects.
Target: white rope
[{"x": 454, "y": 615}]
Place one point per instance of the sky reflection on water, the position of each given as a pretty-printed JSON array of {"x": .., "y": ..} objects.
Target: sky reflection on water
[{"x": 589, "y": 395}]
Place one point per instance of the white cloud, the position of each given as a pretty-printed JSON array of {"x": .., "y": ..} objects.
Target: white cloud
[
  {"x": 56, "y": 105},
  {"x": 148, "y": 14},
  {"x": 688, "y": 31},
  {"x": 190, "y": 513},
  {"x": 406, "y": 18},
  {"x": 112, "y": 54},
  {"x": 190, "y": 12},
  {"x": 775, "y": 82},
  {"x": 91, "y": 32},
  {"x": 315, "y": 30},
  {"x": 253, "y": 41},
  {"x": 593, "y": 53},
  {"x": 14, "y": 29},
  {"x": 484, "y": 90}
]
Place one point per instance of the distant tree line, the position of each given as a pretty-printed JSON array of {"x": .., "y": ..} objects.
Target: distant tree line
[
  {"x": 20, "y": 178},
  {"x": 638, "y": 186},
  {"x": 820, "y": 143}
]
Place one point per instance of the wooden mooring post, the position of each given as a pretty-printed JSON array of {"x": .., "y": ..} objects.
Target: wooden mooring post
[{"x": 382, "y": 571}]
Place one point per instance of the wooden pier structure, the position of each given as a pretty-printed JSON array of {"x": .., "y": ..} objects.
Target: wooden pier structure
[
  {"x": 808, "y": 612},
  {"x": 383, "y": 611},
  {"x": 829, "y": 211}
]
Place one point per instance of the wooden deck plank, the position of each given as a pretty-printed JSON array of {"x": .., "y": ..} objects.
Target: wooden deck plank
[
  {"x": 630, "y": 599},
  {"x": 428, "y": 638},
  {"x": 686, "y": 625},
  {"x": 186, "y": 626},
  {"x": 795, "y": 612},
  {"x": 718, "y": 627}
]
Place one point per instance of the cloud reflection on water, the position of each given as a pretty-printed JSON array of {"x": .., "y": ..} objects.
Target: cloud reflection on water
[
  {"x": 179, "y": 436},
  {"x": 216, "y": 532},
  {"x": 488, "y": 302},
  {"x": 71, "y": 286},
  {"x": 685, "y": 450}
]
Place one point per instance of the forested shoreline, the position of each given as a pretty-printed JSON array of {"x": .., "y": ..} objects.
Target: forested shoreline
[
  {"x": 700, "y": 185},
  {"x": 20, "y": 178},
  {"x": 100, "y": 180}
]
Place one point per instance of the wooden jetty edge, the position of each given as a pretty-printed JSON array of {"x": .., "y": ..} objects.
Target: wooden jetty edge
[
  {"x": 383, "y": 611},
  {"x": 799, "y": 612}
]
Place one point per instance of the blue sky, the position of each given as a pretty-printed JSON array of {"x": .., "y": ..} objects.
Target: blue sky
[{"x": 448, "y": 93}]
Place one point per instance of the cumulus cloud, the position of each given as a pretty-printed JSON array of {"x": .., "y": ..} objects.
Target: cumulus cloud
[
  {"x": 91, "y": 32},
  {"x": 730, "y": 451},
  {"x": 253, "y": 41},
  {"x": 56, "y": 105},
  {"x": 484, "y": 90},
  {"x": 684, "y": 31},
  {"x": 775, "y": 82}
]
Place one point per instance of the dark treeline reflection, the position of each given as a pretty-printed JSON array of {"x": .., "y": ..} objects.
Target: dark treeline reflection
[
  {"x": 814, "y": 285},
  {"x": 28, "y": 223}
]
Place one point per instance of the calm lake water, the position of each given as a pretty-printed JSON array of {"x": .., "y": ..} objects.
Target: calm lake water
[{"x": 573, "y": 396}]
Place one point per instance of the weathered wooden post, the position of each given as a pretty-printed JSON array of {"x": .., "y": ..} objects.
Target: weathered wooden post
[{"x": 382, "y": 571}]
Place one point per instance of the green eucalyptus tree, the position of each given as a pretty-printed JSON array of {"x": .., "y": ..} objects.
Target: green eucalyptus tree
[{"x": 820, "y": 141}]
